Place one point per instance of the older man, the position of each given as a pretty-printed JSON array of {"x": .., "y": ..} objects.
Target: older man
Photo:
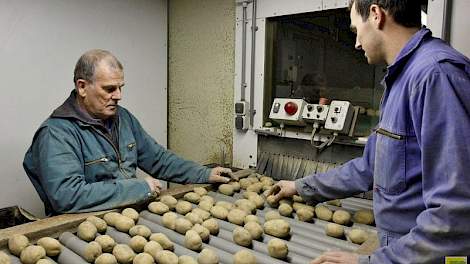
[
  {"x": 85, "y": 155},
  {"x": 417, "y": 161}
]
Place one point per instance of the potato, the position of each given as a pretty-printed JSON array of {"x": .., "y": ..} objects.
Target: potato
[
  {"x": 285, "y": 210},
  {"x": 140, "y": 230},
  {"x": 98, "y": 222},
  {"x": 44, "y": 261},
  {"x": 257, "y": 200},
  {"x": 170, "y": 201},
  {"x": 200, "y": 190},
  {"x": 163, "y": 240},
  {"x": 267, "y": 191},
  {"x": 242, "y": 237},
  {"x": 298, "y": 206},
  {"x": 123, "y": 253},
  {"x": 251, "y": 218},
  {"x": 158, "y": 208},
  {"x": 183, "y": 207},
  {"x": 244, "y": 257},
  {"x": 248, "y": 194},
  {"x": 323, "y": 213},
  {"x": 271, "y": 215},
  {"x": 168, "y": 220},
  {"x": 111, "y": 218},
  {"x": 143, "y": 258},
  {"x": 87, "y": 231},
  {"x": 334, "y": 230},
  {"x": 192, "y": 197},
  {"x": 255, "y": 229},
  {"x": 226, "y": 189},
  {"x": 192, "y": 240},
  {"x": 236, "y": 216},
  {"x": 246, "y": 205},
  {"x": 206, "y": 205},
  {"x": 357, "y": 236},
  {"x": 193, "y": 218},
  {"x": 236, "y": 186},
  {"x": 212, "y": 225},
  {"x": 364, "y": 217},
  {"x": 202, "y": 213},
  {"x": 4, "y": 258},
  {"x": 124, "y": 223},
  {"x": 271, "y": 200},
  {"x": 227, "y": 205},
  {"x": 106, "y": 258},
  {"x": 137, "y": 243},
  {"x": 51, "y": 245},
  {"x": 219, "y": 212},
  {"x": 244, "y": 183},
  {"x": 267, "y": 181},
  {"x": 336, "y": 202},
  {"x": 207, "y": 256},
  {"x": 305, "y": 215},
  {"x": 286, "y": 201},
  {"x": 182, "y": 225},
  {"x": 297, "y": 199},
  {"x": 31, "y": 254},
  {"x": 255, "y": 187},
  {"x": 92, "y": 251},
  {"x": 202, "y": 231},
  {"x": 277, "y": 248},
  {"x": 166, "y": 257},
  {"x": 106, "y": 242},
  {"x": 131, "y": 213},
  {"x": 152, "y": 248},
  {"x": 341, "y": 217},
  {"x": 277, "y": 227},
  {"x": 207, "y": 198},
  {"x": 186, "y": 260}
]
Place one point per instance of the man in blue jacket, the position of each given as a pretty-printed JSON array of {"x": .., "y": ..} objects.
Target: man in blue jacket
[
  {"x": 85, "y": 155},
  {"x": 417, "y": 161}
]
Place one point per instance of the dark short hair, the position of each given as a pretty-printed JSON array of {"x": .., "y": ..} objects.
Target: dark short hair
[
  {"x": 405, "y": 12},
  {"x": 85, "y": 67}
]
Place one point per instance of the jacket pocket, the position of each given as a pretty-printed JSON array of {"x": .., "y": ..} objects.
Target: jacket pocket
[
  {"x": 390, "y": 160},
  {"x": 100, "y": 160},
  {"x": 99, "y": 169}
]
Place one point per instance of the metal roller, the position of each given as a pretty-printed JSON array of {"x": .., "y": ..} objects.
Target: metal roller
[
  {"x": 13, "y": 259},
  {"x": 217, "y": 243},
  {"x": 67, "y": 256},
  {"x": 73, "y": 243},
  {"x": 178, "y": 239},
  {"x": 119, "y": 237}
]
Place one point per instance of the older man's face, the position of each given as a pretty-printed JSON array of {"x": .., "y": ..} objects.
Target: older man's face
[{"x": 101, "y": 97}]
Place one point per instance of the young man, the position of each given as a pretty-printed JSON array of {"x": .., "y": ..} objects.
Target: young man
[
  {"x": 417, "y": 161},
  {"x": 85, "y": 155}
]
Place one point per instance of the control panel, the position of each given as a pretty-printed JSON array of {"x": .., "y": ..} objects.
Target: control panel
[
  {"x": 339, "y": 116},
  {"x": 315, "y": 113},
  {"x": 288, "y": 111}
]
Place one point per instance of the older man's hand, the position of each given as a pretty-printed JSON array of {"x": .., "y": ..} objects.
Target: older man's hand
[
  {"x": 283, "y": 189},
  {"x": 219, "y": 175},
  {"x": 338, "y": 257},
  {"x": 154, "y": 184}
]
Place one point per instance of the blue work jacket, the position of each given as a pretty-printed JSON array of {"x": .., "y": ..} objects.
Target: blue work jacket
[
  {"x": 418, "y": 159},
  {"x": 75, "y": 165}
]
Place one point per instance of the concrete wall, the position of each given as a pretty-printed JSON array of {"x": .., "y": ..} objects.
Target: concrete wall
[
  {"x": 40, "y": 42},
  {"x": 201, "y": 69}
]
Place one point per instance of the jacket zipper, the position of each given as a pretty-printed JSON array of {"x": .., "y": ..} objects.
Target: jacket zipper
[
  {"x": 103, "y": 159},
  {"x": 115, "y": 150},
  {"x": 389, "y": 134}
]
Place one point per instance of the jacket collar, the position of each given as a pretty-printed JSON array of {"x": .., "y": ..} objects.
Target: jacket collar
[
  {"x": 70, "y": 109},
  {"x": 416, "y": 40}
]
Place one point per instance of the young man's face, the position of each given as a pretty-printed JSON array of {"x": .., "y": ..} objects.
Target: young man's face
[
  {"x": 367, "y": 37},
  {"x": 101, "y": 96}
]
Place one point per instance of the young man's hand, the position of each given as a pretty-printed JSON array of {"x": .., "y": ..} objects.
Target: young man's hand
[
  {"x": 337, "y": 257},
  {"x": 283, "y": 189},
  {"x": 219, "y": 175}
]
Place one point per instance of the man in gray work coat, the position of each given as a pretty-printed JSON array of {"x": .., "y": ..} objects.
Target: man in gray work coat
[{"x": 84, "y": 157}]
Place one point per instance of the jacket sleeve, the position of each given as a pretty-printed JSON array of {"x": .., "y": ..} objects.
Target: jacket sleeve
[
  {"x": 353, "y": 177},
  {"x": 440, "y": 111},
  {"x": 161, "y": 163},
  {"x": 60, "y": 169}
]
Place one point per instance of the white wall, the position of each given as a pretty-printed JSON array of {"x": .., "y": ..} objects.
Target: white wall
[{"x": 40, "y": 42}]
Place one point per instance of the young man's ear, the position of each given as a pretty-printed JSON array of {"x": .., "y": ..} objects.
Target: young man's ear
[
  {"x": 81, "y": 86},
  {"x": 377, "y": 16}
]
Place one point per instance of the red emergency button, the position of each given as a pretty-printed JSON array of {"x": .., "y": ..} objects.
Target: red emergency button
[{"x": 291, "y": 108}]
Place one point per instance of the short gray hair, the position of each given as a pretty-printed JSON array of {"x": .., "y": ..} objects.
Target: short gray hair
[{"x": 85, "y": 67}]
